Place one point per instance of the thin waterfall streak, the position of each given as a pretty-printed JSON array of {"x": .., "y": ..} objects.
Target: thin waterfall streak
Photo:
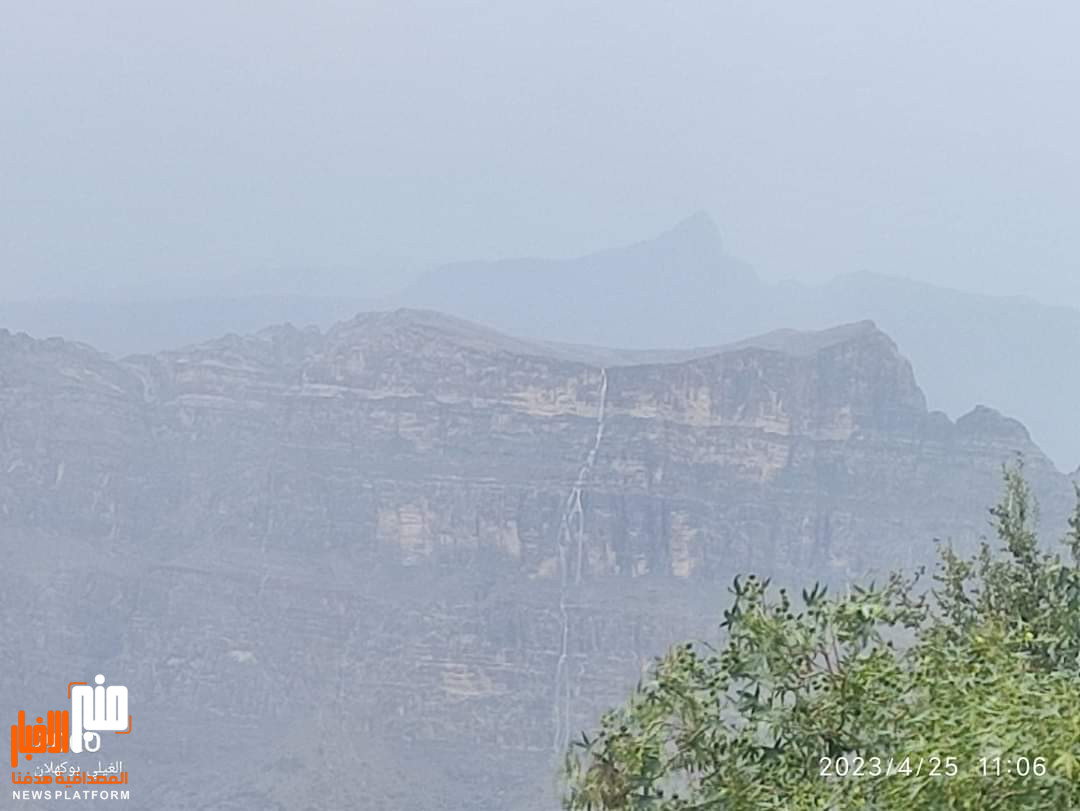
[{"x": 571, "y": 527}]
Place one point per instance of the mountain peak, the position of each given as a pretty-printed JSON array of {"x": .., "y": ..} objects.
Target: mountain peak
[
  {"x": 991, "y": 423},
  {"x": 695, "y": 241},
  {"x": 698, "y": 227}
]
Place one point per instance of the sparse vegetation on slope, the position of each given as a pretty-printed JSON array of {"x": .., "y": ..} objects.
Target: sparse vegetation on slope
[{"x": 964, "y": 695}]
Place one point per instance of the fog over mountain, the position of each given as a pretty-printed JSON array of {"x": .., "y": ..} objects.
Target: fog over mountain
[
  {"x": 401, "y": 562},
  {"x": 155, "y": 146},
  {"x": 680, "y": 290},
  {"x": 683, "y": 289},
  {"x": 384, "y": 385}
]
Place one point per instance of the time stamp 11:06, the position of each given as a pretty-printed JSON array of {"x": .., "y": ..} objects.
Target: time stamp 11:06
[{"x": 931, "y": 766}]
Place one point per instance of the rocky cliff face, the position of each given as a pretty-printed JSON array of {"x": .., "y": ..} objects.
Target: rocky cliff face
[{"x": 414, "y": 556}]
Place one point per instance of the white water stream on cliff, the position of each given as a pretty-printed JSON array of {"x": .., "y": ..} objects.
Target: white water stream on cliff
[{"x": 571, "y": 527}]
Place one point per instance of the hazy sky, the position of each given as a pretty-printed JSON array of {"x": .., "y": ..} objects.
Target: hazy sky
[{"x": 175, "y": 142}]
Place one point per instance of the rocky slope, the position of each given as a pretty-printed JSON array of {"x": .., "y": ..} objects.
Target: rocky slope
[{"x": 399, "y": 563}]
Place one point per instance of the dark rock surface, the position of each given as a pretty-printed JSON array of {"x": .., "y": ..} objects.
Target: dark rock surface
[{"x": 396, "y": 565}]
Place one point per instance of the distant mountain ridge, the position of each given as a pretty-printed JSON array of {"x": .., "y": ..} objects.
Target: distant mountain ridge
[
  {"x": 683, "y": 290},
  {"x": 659, "y": 298},
  {"x": 578, "y": 300}
]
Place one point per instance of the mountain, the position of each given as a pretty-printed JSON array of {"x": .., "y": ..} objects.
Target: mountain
[
  {"x": 1010, "y": 351},
  {"x": 400, "y": 562},
  {"x": 683, "y": 290},
  {"x": 122, "y": 326},
  {"x": 679, "y": 290}
]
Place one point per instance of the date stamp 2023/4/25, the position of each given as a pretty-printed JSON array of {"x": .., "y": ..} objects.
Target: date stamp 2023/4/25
[{"x": 943, "y": 766}]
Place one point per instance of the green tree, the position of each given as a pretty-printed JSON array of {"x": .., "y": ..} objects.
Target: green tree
[{"x": 963, "y": 695}]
